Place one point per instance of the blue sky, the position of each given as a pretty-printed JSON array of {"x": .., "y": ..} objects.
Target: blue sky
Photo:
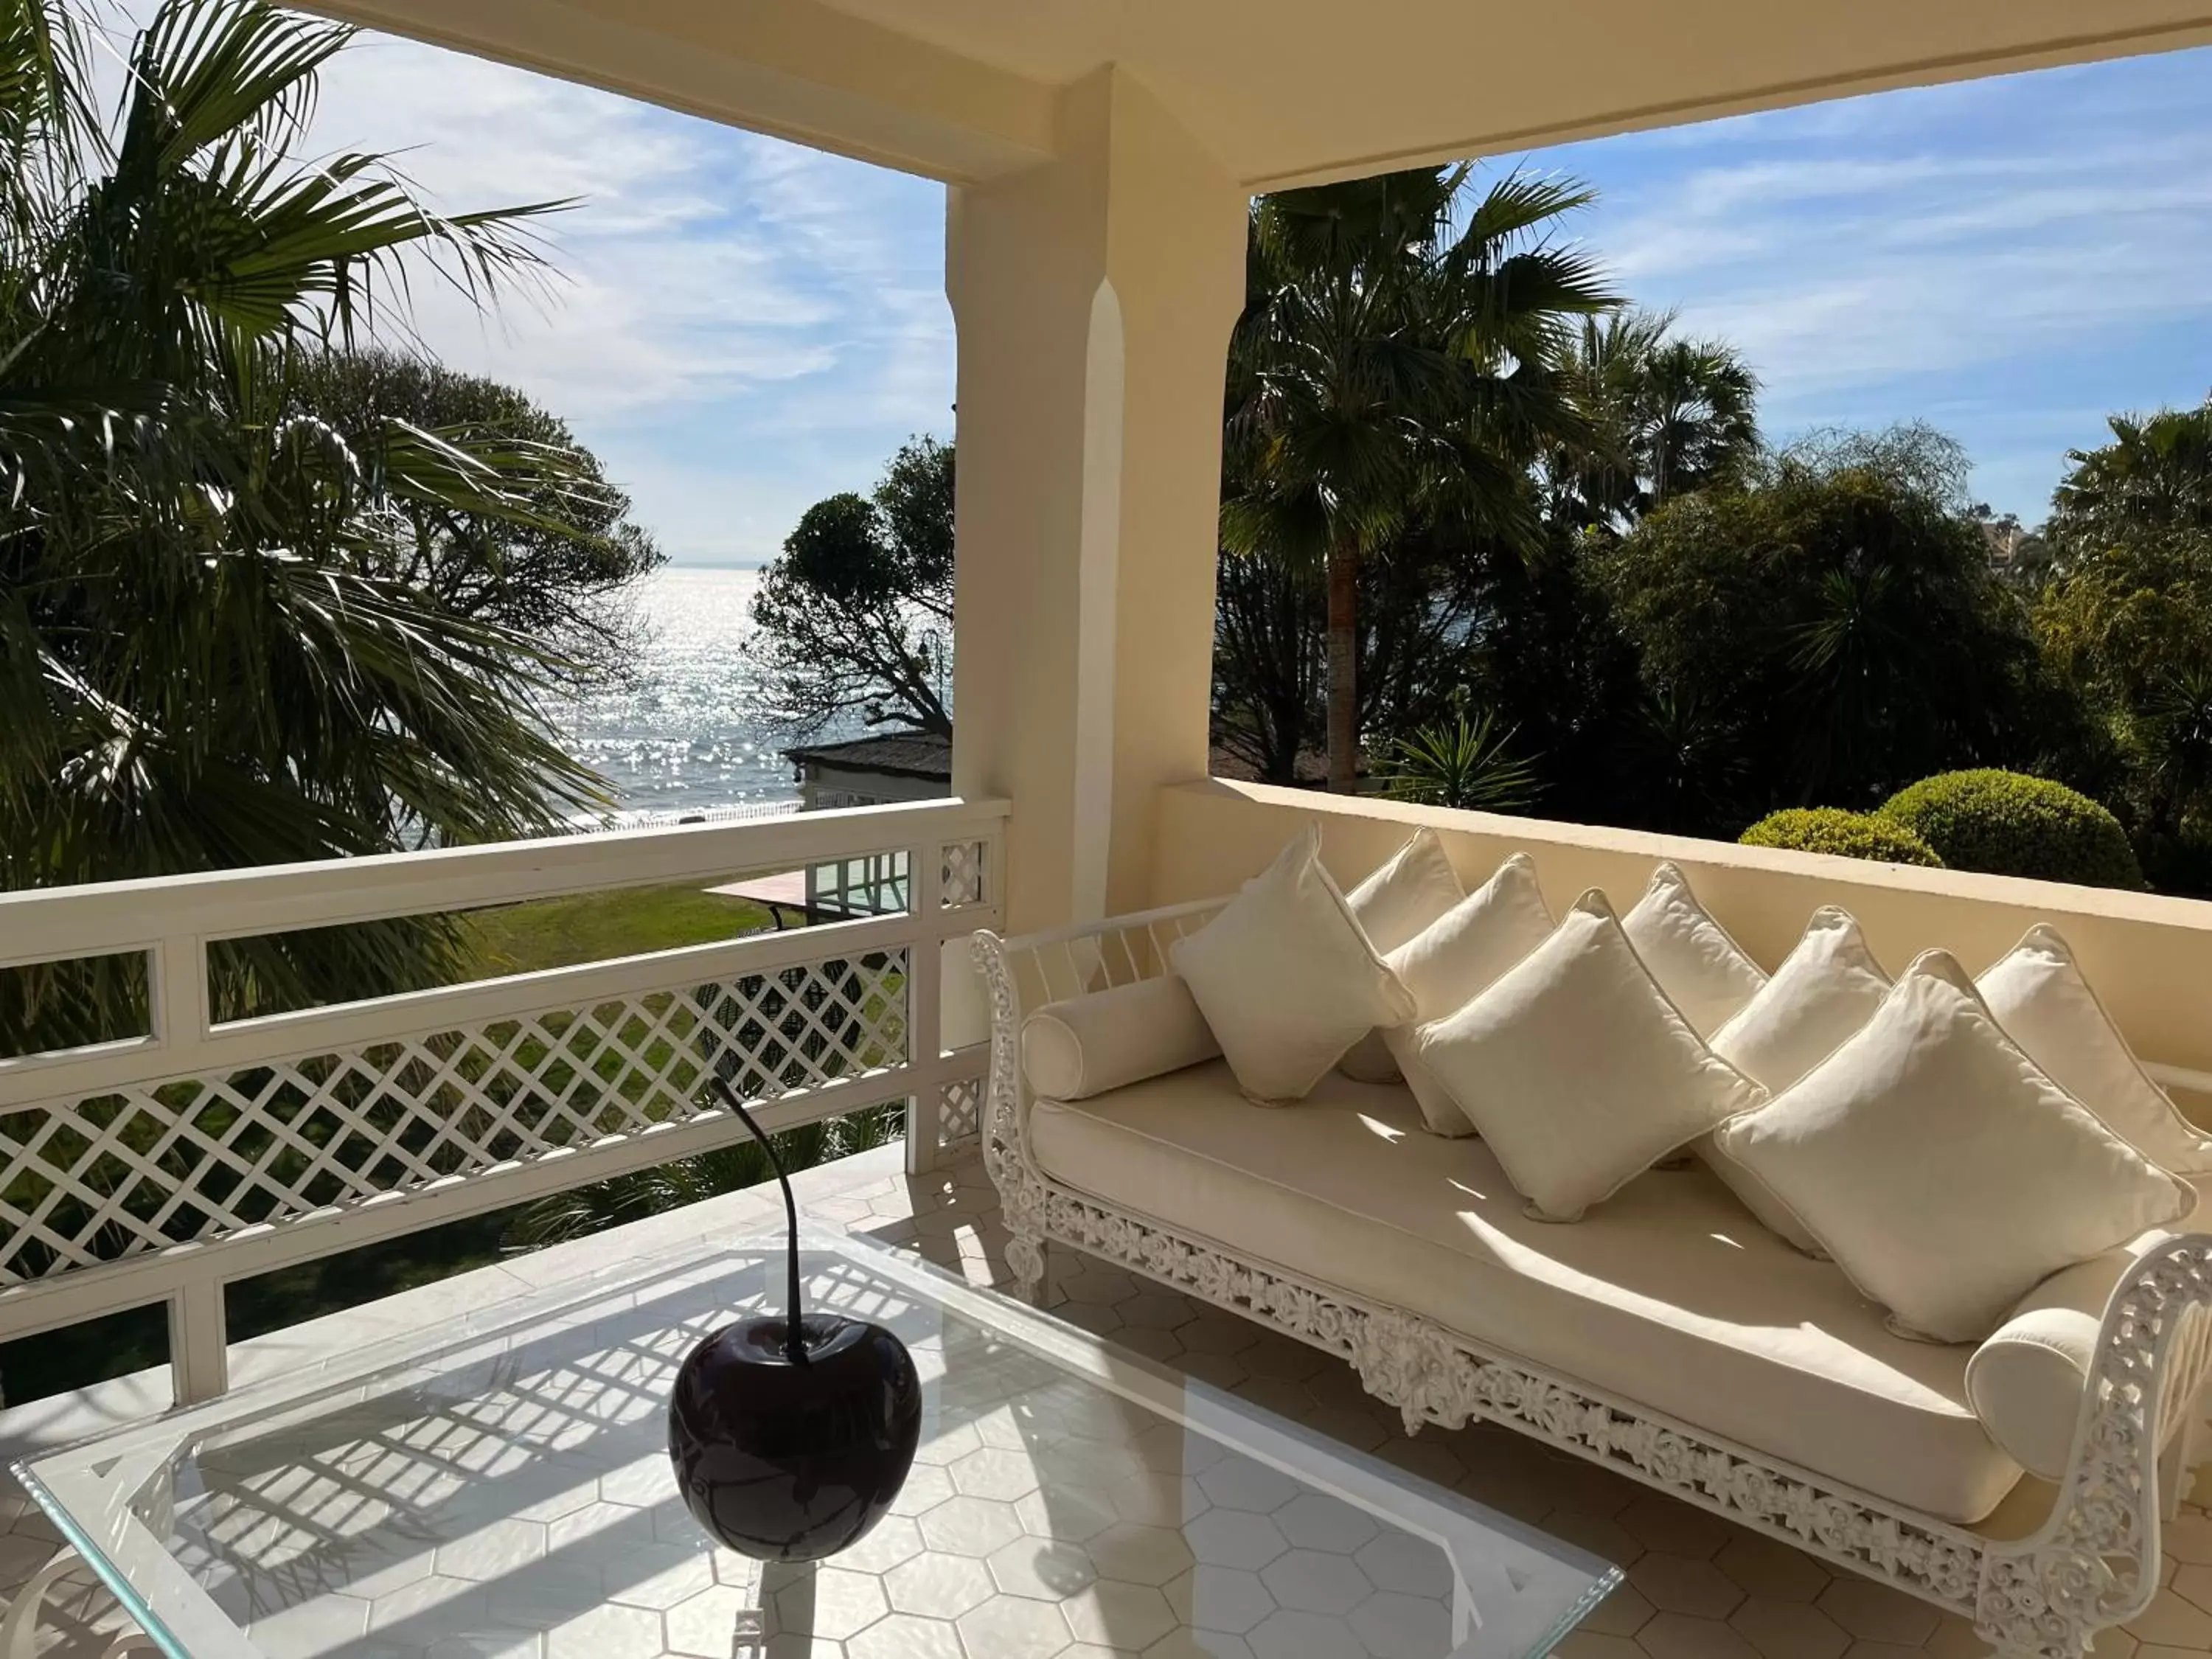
[{"x": 743, "y": 327}]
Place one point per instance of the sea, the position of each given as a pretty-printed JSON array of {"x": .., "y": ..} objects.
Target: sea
[{"x": 685, "y": 734}]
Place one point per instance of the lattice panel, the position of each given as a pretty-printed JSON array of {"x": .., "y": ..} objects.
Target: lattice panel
[
  {"x": 962, "y": 874},
  {"x": 959, "y": 1111},
  {"x": 196, "y": 1157}
]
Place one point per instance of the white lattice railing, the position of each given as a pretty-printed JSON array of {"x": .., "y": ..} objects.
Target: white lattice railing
[{"x": 162, "y": 1167}]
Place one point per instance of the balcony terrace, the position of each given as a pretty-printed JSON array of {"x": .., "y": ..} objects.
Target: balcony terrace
[
  {"x": 1099, "y": 162},
  {"x": 328, "y": 1129}
]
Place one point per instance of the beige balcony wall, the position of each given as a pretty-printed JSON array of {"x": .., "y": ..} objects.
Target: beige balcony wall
[
  {"x": 1093, "y": 298},
  {"x": 2149, "y": 958}
]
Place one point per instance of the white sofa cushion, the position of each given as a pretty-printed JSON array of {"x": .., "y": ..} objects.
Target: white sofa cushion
[
  {"x": 1576, "y": 1069},
  {"x": 1449, "y": 962},
  {"x": 1943, "y": 1170},
  {"x": 1399, "y": 901},
  {"x": 1286, "y": 978},
  {"x": 1668, "y": 1295},
  {"x": 2025, "y": 1381},
  {"x": 1085, "y": 1045},
  {"x": 2040, "y": 995},
  {"x": 1708, "y": 974},
  {"x": 1823, "y": 992}
]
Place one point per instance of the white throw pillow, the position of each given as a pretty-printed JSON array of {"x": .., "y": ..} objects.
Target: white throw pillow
[
  {"x": 1939, "y": 1166},
  {"x": 1412, "y": 889},
  {"x": 1285, "y": 977},
  {"x": 1089, "y": 1045},
  {"x": 1576, "y": 1068},
  {"x": 2046, "y": 1005},
  {"x": 1455, "y": 958},
  {"x": 2026, "y": 1381},
  {"x": 1708, "y": 975},
  {"x": 1823, "y": 992}
]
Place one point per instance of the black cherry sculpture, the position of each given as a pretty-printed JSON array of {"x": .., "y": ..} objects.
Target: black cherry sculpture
[{"x": 792, "y": 1433}]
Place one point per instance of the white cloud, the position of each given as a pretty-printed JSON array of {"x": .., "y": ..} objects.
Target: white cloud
[
  {"x": 739, "y": 326},
  {"x": 2035, "y": 242}
]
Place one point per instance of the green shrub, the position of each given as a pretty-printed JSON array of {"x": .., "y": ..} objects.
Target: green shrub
[
  {"x": 1845, "y": 835},
  {"x": 2010, "y": 824}
]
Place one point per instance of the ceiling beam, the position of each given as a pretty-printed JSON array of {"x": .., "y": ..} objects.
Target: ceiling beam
[{"x": 793, "y": 68}]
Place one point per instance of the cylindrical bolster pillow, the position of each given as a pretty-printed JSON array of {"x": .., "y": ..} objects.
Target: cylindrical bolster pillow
[
  {"x": 2025, "y": 1381},
  {"x": 1086, "y": 1045}
]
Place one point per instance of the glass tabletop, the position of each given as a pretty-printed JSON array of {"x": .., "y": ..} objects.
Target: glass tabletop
[{"x": 501, "y": 1490}]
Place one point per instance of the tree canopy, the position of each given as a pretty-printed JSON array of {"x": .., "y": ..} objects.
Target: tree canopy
[
  {"x": 855, "y": 616},
  {"x": 213, "y": 655},
  {"x": 1394, "y": 362},
  {"x": 557, "y": 574},
  {"x": 1835, "y": 617}
]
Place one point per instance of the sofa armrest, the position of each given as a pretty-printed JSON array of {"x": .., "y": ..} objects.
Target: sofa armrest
[{"x": 2094, "y": 1561}]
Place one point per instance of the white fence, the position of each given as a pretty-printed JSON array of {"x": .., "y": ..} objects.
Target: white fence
[{"x": 158, "y": 1168}]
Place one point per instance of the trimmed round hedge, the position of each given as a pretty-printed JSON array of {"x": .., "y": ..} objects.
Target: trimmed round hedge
[
  {"x": 1845, "y": 835},
  {"x": 2008, "y": 824}
]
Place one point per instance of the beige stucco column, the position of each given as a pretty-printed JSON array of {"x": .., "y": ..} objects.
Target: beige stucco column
[{"x": 1094, "y": 297}]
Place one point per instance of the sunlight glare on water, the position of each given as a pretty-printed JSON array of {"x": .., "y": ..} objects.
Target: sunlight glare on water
[{"x": 685, "y": 734}]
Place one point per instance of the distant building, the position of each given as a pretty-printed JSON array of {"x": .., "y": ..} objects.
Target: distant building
[
  {"x": 872, "y": 771},
  {"x": 863, "y": 772}
]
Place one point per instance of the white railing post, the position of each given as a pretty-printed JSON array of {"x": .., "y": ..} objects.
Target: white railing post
[
  {"x": 925, "y": 885},
  {"x": 179, "y": 993},
  {"x": 199, "y": 1342}
]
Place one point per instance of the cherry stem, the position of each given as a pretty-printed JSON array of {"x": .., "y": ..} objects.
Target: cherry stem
[{"x": 795, "y": 1343}]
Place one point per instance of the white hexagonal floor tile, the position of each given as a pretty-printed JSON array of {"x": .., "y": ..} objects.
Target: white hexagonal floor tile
[
  {"x": 1392, "y": 1627},
  {"x": 608, "y": 1633},
  {"x": 1284, "y": 1634},
  {"x": 892, "y": 1539},
  {"x": 1199, "y": 1644},
  {"x": 709, "y": 1624},
  {"x": 1315, "y": 1521},
  {"x": 1041, "y": 1568},
  {"x": 969, "y": 1526},
  {"x": 493, "y": 1551},
  {"x": 939, "y": 1586},
  {"x": 1058, "y": 1512},
  {"x": 641, "y": 1484},
  {"x": 1010, "y": 1626},
  {"x": 318, "y": 1625},
  {"x": 1239, "y": 1483},
  {"x": 926, "y": 1487},
  {"x": 1314, "y": 1580},
  {"x": 1410, "y": 1566},
  {"x": 1234, "y": 1538},
  {"x": 903, "y": 1636},
  {"x": 656, "y": 1575},
  {"x": 829, "y": 1602},
  {"x": 1139, "y": 1554},
  {"x": 992, "y": 1472},
  {"x": 1226, "y": 1599},
  {"x": 440, "y": 1603},
  {"x": 1119, "y": 1616}
]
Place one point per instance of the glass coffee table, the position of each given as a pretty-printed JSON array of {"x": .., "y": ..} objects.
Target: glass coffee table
[{"x": 501, "y": 1490}]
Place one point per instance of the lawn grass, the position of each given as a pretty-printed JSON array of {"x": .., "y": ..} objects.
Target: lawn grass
[{"x": 523, "y": 939}]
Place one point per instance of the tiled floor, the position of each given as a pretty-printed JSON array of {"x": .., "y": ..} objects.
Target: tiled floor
[{"x": 1697, "y": 1588}]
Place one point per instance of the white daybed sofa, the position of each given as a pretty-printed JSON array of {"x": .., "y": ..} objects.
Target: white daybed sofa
[{"x": 1667, "y": 1335}]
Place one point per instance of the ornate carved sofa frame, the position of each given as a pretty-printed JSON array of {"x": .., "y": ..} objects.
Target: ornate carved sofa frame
[{"x": 2092, "y": 1563}]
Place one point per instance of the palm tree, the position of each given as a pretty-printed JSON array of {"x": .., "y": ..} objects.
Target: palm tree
[
  {"x": 2156, "y": 474},
  {"x": 206, "y": 660},
  {"x": 1668, "y": 415},
  {"x": 1394, "y": 357}
]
